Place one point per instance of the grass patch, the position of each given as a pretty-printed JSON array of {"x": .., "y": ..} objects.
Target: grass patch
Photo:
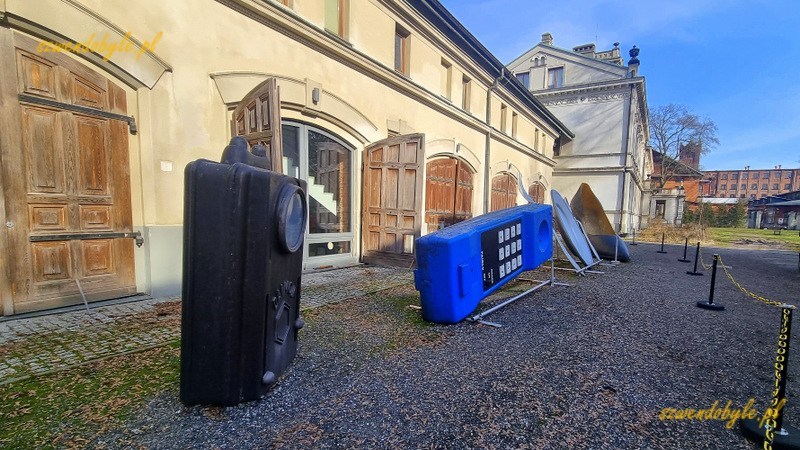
[
  {"x": 59, "y": 350},
  {"x": 373, "y": 326},
  {"x": 723, "y": 237},
  {"x": 736, "y": 237},
  {"x": 70, "y": 409}
]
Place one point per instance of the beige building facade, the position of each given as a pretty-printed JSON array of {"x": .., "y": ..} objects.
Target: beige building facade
[
  {"x": 604, "y": 102},
  {"x": 400, "y": 121}
]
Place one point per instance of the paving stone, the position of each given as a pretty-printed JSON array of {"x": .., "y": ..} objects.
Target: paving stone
[{"x": 66, "y": 339}]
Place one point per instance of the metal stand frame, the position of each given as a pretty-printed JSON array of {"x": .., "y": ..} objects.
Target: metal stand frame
[
  {"x": 616, "y": 260},
  {"x": 539, "y": 284},
  {"x": 597, "y": 259},
  {"x": 582, "y": 271}
]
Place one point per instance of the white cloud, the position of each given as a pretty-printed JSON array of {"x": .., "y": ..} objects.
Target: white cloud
[{"x": 510, "y": 27}]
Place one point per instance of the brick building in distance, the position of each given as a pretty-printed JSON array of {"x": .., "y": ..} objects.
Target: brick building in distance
[
  {"x": 750, "y": 184},
  {"x": 683, "y": 173},
  {"x": 676, "y": 184}
]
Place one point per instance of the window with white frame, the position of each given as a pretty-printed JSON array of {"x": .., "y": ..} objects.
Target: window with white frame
[
  {"x": 555, "y": 77},
  {"x": 524, "y": 78},
  {"x": 325, "y": 162}
]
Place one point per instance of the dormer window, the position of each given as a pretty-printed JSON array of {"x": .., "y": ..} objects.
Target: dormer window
[
  {"x": 555, "y": 77},
  {"x": 524, "y": 78}
]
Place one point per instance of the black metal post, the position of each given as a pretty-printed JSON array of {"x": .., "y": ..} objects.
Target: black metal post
[
  {"x": 685, "y": 247},
  {"x": 662, "y": 244},
  {"x": 710, "y": 304},
  {"x": 696, "y": 259},
  {"x": 634, "y": 237},
  {"x": 770, "y": 429}
]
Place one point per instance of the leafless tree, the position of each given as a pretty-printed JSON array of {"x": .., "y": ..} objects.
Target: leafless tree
[{"x": 673, "y": 126}]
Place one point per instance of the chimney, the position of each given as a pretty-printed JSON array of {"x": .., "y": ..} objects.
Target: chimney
[
  {"x": 779, "y": 166},
  {"x": 633, "y": 63},
  {"x": 746, "y": 167},
  {"x": 547, "y": 39},
  {"x": 689, "y": 154},
  {"x": 585, "y": 50}
]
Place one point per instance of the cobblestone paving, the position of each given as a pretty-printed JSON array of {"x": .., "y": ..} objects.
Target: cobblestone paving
[
  {"x": 341, "y": 284},
  {"x": 37, "y": 345}
]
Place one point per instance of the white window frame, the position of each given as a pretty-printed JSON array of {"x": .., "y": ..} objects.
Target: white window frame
[
  {"x": 563, "y": 76},
  {"x": 310, "y": 262}
]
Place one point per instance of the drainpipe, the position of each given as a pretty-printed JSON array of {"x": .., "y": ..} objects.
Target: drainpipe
[
  {"x": 625, "y": 163},
  {"x": 487, "y": 161}
]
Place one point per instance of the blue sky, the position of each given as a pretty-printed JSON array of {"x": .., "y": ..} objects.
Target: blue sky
[{"x": 736, "y": 62}]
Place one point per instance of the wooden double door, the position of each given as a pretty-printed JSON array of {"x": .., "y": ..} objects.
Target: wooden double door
[
  {"x": 449, "y": 190},
  {"x": 65, "y": 180},
  {"x": 392, "y": 205}
]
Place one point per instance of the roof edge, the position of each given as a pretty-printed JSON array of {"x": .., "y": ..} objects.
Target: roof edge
[{"x": 439, "y": 16}]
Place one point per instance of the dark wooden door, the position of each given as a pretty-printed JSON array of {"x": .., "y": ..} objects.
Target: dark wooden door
[
  {"x": 258, "y": 119},
  {"x": 66, "y": 180},
  {"x": 504, "y": 191},
  {"x": 448, "y": 197},
  {"x": 392, "y": 204},
  {"x": 463, "y": 205},
  {"x": 536, "y": 191}
]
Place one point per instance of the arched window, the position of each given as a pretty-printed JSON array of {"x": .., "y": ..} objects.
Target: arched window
[
  {"x": 325, "y": 162},
  {"x": 448, "y": 197},
  {"x": 504, "y": 191}
]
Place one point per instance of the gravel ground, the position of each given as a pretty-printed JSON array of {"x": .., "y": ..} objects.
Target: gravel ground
[{"x": 585, "y": 366}]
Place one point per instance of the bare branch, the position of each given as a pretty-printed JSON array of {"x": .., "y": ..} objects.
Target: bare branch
[{"x": 673, "y": 126}]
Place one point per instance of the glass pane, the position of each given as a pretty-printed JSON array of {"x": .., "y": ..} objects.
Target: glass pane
[
  {"x": 295, "y": 221},
  {"x": 555, "y": 78},
  {"x": 524, "y": 78},
  {"x": 291, "y": 150},
  {"x": 328, "y": 185},
  {"x": 328, "y": 248},
  {"x": 398, "y": 52},
  {"x": 332, "y": 15}
]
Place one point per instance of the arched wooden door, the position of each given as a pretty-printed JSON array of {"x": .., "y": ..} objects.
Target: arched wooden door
[
  {"x": 504, "y": 191},
  {"x": 448, "y": 198},
  {"x": 536, "y": 191},
  {"x": 66, "y": 181}
]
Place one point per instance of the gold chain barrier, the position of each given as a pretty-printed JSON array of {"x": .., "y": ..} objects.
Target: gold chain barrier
[
  {"x": 770, "y": 430},
  {"x": 750, "y": 293},
  {"x": 706, "y": 266}
]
